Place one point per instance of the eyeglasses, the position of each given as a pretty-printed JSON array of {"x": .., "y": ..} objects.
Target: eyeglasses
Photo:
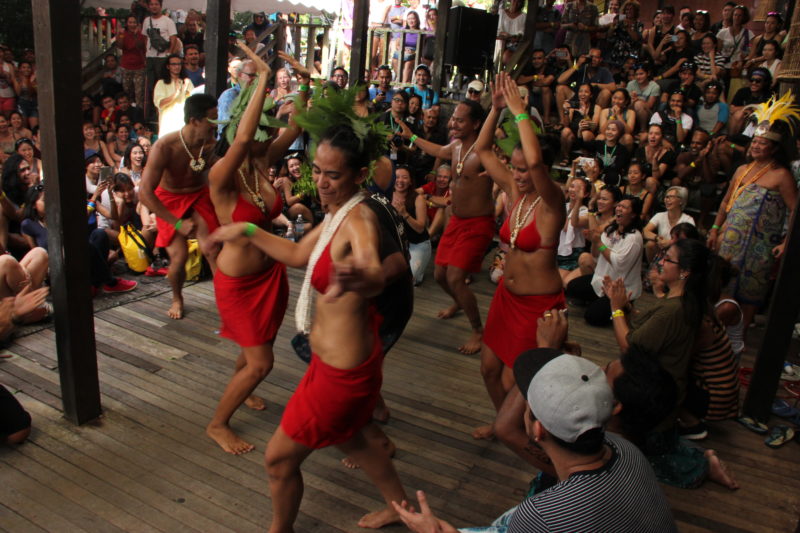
[
  {"x": 756, "y": 80},
  {"x": 671, "y": 197},
  {"x": 176, "y": 64},
  {"x": 666, "y": 259},
  {"x": 397, "y": 100},
  {"x": 473, "y": 91}
]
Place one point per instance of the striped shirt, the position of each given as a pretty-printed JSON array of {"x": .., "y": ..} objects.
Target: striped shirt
[{"x": 623, "y": 495}]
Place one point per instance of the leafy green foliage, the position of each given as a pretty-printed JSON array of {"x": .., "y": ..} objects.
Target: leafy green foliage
[
  {"x": 305, "y": 185},
  {"x": 238, "y": 107},
  {"x": 512, "y": 136}
]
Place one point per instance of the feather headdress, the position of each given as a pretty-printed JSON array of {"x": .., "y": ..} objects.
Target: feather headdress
[{"x": 773, "y": 110}]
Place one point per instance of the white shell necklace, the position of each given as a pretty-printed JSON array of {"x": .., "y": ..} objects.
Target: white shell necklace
[
  {"x": 519, "y": 221},
  {"x": 198, "y": 164}
]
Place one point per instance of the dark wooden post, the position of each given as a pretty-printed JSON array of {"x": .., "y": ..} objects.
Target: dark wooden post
[
  {"x": 56, "y": 28},
  {"x": 218, "y": 25},
  {"x": 358, "y": 50},
  {"x": 443, "y": 9},
  {"x": 783, "y": 312}
]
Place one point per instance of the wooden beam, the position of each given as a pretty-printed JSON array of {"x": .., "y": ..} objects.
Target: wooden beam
[
  {"x": 218, "y": 25},
  {"x": 358, "y": 50},
  {"x": 56, "y": 28},
  {"x": 443, "y": 8},
  {"x": 783, "y": 312}
]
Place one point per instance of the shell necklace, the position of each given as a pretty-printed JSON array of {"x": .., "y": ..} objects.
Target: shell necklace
[
  {"x": 519, "y": 221},
  {"x": 198, "y": 164},
  {"x": 460, "y": 165},
  {"x": 255, "y": 195}
]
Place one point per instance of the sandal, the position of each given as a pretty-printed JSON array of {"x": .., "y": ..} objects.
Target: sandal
[
  {"x": 782, "y": 409},
  {"x": 753, "y": 425},
  {"x": 778, "y": 436}
]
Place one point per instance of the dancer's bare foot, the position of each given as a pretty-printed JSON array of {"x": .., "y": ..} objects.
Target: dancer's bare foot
[
  {"x": 378, "y": 519},
  {"x": 449, "y": 312},
  {"x": 473, "y": 344},
  {"x": 175, "y": 311},
  {"x": 228, "y": 440},
  {"x": 719, "y": 471},
  {"x": 388, "y": 446},
  {"x": 483, "y": 432},
  {"x": 255, "y": 402}
]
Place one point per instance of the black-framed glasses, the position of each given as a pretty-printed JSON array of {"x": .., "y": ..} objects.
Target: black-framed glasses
[
  {"x": 756, "y": 80},
  {"x": 473, "y": 91},
  {"x": 666, "y": 259}
]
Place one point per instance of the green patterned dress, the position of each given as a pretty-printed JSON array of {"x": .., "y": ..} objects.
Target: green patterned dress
[{"x": 753, "y": 228}]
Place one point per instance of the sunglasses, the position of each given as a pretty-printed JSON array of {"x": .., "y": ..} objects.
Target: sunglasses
[
  {"x": 701, "y": 12},
  {"x": 756, "y": 80},
  {"x": 473, "y": 91}
]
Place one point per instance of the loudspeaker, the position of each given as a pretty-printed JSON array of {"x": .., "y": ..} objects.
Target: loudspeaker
[{"x": 470, "y": 41}]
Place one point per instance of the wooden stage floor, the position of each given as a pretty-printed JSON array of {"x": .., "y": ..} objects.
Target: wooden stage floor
[{"x": 146, "y": 464}]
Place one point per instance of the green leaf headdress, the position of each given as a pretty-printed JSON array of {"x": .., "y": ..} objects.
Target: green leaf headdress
[{"x": 238, "y": 107}]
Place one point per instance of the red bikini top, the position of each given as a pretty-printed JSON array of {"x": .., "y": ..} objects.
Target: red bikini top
[
  {"x": 321, "y": 277},
  {"x": 528, "y": 239},
  {"x": 247, "y": 212}
]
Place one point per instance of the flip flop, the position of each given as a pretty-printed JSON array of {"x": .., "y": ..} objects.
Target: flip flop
[
  {"x": 778, "y": 436},
  {"x": 753, "y": 425},
  {"x": 782, "y": 409},
  {"x": 793, "y": 388}
]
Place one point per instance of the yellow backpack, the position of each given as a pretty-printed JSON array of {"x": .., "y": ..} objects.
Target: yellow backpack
[
  {"x": 137, "y": 254},
  {"x": 194, "y": 262}
]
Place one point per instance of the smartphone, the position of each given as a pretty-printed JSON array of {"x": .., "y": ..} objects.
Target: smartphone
[
  {"x": 106, "y": 173},
  {"x": 621, "y": 18},
  {"x": 674, "y": 38},
  {"x": 561, "y": 54}
]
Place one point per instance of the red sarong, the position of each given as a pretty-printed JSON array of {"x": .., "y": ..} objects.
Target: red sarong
[
  {"x": 251, "y": 308},
  {"x": 330, "y": 405},
  {"x": 464, "y": 242},
  {"x": 179, "y": 204},
  {"x": 511, "y": 325}
]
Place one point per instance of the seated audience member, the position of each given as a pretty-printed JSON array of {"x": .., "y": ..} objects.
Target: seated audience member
[
  {"x": 619, "y": 110},
  {"x": 735, "y": 41},
  {"x": 380, "y": 96},
  {"x": 422, "y": 80},
  {"x": 34, "y": 226},
  {"x": 133, "y": 162},
  {"x": 773, "y": 31},
  {"x": 89, "y": 111},
  {"x": 15, "y": 422},
  {"x": 644, "y": 94},
  {"x": 618, "y": 251},
  {"x": 659, "y": 36},
  {"x": 613, "y": 156},
  {"x": 592, "y": 73},
  {"x": 437, "y": 198},
  {"x": 17, "y": 179},
  {"x": 657, "y": 232},
  {"x": 673, "y": 52},
  {"x": 252, "y": 43},
  {"x": 657, "y": 158},
  {"x": 675, "y": 123},
  {"x": 295, "y": 204},
  {"x": 604, "y": 481},
  {"x": 122, "y": 139},
  {"x": 579, "y": 121},
  {"x": 340, "y": 77},
  {"x": 770, "y": 60},
  {"x": 572, "y": 242},
  {"x": 23, "y": 281},
  {"x": 702, "y": 27},
  {"x": 510, "y": 28},
  {"x": 111, "y": 81},
  {"x": 411, "y": 206},
  {"x": 414, "y": 110},
  {"x": 125, "y": 109},
  {"x": 93, "y": 143},
  {"x": 109, "y": 115},
  {"x": 7, "y": 140},
  {"x": 28, "y": 151},
  {"x": 685, "y": 84},
  {"x": 540, "y": 77},
  {"x": 710, "y": 62},
  {"x": 636, "y": 187},
  {"x": 758, "y": 91},
  {"x": 18, "y": 128},
  {"x": 712, "y": 391},
  {"x": 712, "y": 115},
  {"x": 423, "y": 165}
]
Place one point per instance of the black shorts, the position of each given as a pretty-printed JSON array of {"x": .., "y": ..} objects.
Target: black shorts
[{"x": 13, "y": 417}]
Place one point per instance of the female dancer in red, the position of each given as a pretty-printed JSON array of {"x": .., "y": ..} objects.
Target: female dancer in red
[
  {"x": 250, "y": 287},
  {"x": 531, "y": 286},
  {"x": 334, "y": 401}
]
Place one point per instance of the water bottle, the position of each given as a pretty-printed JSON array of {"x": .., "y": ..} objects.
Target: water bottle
[
  {"x": 289, "y": 233},
  {"x": 299, "y": 228}
]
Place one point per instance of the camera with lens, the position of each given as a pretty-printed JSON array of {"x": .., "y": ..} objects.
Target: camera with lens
[{"x": 397, "y": 141}]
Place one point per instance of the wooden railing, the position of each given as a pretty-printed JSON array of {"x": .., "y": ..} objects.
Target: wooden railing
[
  {"x": 304, "y": 38},
  {"x": 97, "y": 35},
  {"x": 385, "y": 36}
]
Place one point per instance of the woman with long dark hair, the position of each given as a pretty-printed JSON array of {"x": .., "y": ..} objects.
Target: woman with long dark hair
[
  {"x": 170, "y": 93},
  {"x": 411, "y": 206},
  {"x": 618, "y": 251},
  {"x": 579, "y": 121}
]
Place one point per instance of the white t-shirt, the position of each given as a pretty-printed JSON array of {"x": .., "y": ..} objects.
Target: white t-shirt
[
  {"x": 511, "y": 26},
  {"x": 625, "y": 263},
  {"x": 661, "y": 223},
  {"x": 735, "y": 49},
  {"x": 165, "y": 27},
  {"x": 686, "y": 120},
  {"x": 573, "y": 237}
]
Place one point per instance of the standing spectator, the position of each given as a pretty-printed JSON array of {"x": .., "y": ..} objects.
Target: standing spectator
[
  {"x": 510, "y": 28},
  {"x": 625, "y": 36},
  {"x": 133, "y": 44},
  {"x": 162, "y": 40},
  {"x": 422, "y": 79},
  {"x": 169, "y": 95},
  {"x": 251, "y": 42},
  {"x": 548, "y": 23},
  {"x": 26, "y": 88},
  {"x": 580, "y": 19},
  {"x": 339, "y": 76},
  {"x": 191, "y": 64},
  {"x": 734, "y": 43},
  {"x": 409, "y": 48},
  {"x": 540, "y": 77},
  {"x": 259, "y": 25},
  {"x": 89, "y": 111},
  {"x": 381, "y": 96},
  {"x": 429, "y": 41},
  {"x": 192, "y": 34},
  {"x": 660, "y": 31},
  {"x": 727, "y": 18},
  {"x": 396, "y": 16},
  {"x": 772, "y": 32},
  {"x": 671, "y": 54}
]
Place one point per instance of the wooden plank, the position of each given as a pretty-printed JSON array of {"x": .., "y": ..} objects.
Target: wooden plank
[
  {"x": 218, "y": 24},
  {"x": 10, "y": 520},
  {"x": 56, "y": 25},
  {"x": 443, "y": 9},
  {"x": 358, "y": 51}
]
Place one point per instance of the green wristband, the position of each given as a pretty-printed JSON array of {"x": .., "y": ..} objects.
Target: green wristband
[
  {"x": 303, "y": 88},
  {"x": 178, "y": 224},
  {"x": 522, "y": 116},
  {"x": 249, "y": 229},
  {"x": 602, "y": 248},
  {"x": 413, "y": 139},
  {"x": 714, "y": 226},
  {"x": 733, "y": 146}
]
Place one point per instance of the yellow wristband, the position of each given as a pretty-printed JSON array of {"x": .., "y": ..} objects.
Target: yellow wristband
[
  {"x": 617, "y": 312},
  {"x": 692, "y": 165}
]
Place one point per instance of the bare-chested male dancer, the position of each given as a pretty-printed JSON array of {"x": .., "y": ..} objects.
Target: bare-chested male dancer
[
  {"x": 174, "y": 186},
  {"x": 471, "y": 226}
]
